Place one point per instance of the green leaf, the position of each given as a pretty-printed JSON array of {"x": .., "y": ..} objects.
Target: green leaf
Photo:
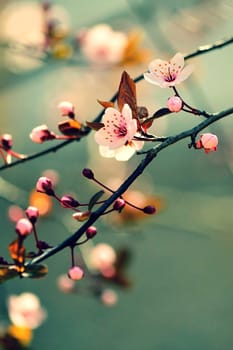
[{"x": 95, "y": 199}]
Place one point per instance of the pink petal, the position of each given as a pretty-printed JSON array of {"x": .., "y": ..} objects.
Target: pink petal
[
  {"x": 153, "y": 79},
  {"x": 177, "y": 61}
]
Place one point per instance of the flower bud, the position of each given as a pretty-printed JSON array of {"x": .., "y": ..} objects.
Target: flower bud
[
  {"x": 119, "y": 204},
  {"x": 149, "y": 209},
  {"x": 66, "y": 108},
  {"x": 65, "y": 284},
  {"x": 6, "y": 141},
  {"x": 23, "y": 227},
  {"x": 69, "y": 202},
  {"x": 75, "y": 273},
  {"x": 44, "y": 185},
  {"x": 209, "y": 142},
  {"x": 41, "y": 133},
  {"x": 91, "y": 232},
  {"x": 81, "y": 216},
  {"x": 174, "y": 104},
  {"x": 88, "y": 173},
  {"x": 32, "y": 214}
]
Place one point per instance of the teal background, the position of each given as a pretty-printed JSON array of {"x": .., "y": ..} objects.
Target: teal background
[{"x": 182, "y": 261}]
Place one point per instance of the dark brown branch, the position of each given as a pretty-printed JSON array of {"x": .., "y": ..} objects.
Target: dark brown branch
[{"x": 70, "y": 241}]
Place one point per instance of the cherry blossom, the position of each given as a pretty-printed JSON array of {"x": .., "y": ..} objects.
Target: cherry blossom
[
  {"x": 25, "y": 310},
  {"x": 115, "y": 138},
  {"x": 41, "y": 133},
  {"x": 174, "y": 104},
  {"x": 168, "y": 73},
  {"x": 23, "y": 227},
  {"x": 102, "y": 45}
]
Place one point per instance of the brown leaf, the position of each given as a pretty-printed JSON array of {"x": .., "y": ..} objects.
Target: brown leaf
[
  {"x": 17, "y": 252},
  {"x": 95, "y": 125},
  {"x": 127, "y": 93},
  {"x": 106, "y": 104}
]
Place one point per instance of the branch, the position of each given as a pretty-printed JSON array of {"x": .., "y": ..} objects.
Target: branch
[
  {"x": 200, "y": 51},
  {"x": 127, "y": 183}
]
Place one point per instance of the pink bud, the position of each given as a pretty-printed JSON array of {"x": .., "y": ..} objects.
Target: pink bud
[
  {"x": 149, "y": 209},
  {"x": 174, "y": 104},
  {"x": 209, "y": 142},
  {"x": 91, "y": 232},
  {"x": 119, "y": 204},
  {"x": 6, "y": 141},
  {"x": 66, "y": 108},
  {"x": 44, "y": 185},
  {"x": 41, "y": 134},
  {"x": 23, "y": 227},
  {"x": 88, "y": 173},
  {"x": 32, "y": 214},
  {"x": 76, "y": 273},
  {"x": 69, "y": 202}
]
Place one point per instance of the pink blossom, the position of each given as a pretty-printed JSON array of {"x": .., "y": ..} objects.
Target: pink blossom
[
  {"x": 102, "y": 256},
  {"x": 115, "y": 138},
  {"x": 168, "y": 73},
  {"x": 76, "y": 273},
  {"x": 25, "y": 310},
  {"x": 102, "y": 45},
  {"x": 23, "y": 227},
  {"x": 207, "y": 141},
  {"x": 41, "y": 133},
  {"x": 174, "y": 104}
]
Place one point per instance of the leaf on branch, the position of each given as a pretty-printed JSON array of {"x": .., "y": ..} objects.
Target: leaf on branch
[
  {"x": 7, "y": 272},
  {"x": 160, "y": 113},
  {"x": 70, "y": 128},
  {"x": 95, "y": 125},
  {"x": 35, "y": 271},
  {"x": 106, "y": 104},
  {"x": 147, "y": 124},
  {"x": 127, "y": 93},
  {"x": 95, "y": 199}
]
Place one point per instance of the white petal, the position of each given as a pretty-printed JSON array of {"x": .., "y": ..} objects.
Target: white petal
[
  {"x": 124, "y": 153},
  {"x": 178, "y": 61},
  {"x": 138, "y": 145},
  {"x": 106, "y": 152},
  {"x": 151, "y": 78},
  {"x": 185, "y": 73}
]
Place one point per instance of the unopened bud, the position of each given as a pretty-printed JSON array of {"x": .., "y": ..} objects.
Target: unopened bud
[
  {"x": 44, "y": 185},
  {"x": 88, "y": 173},
  {"x": 41, "y": 134},
  {"x": 69, "y": 202},
  {"x": 149, "y": 209},
  {"x": 119, "y": 204},
  {"x": 23, "y": 227},
  {"x": 6, "y": 141},
  {"x": 32, "y": 214},
  {"x": 81, "y": 216},
  {"x": 66, "y": 108},
  {"x": 174, "y": 104},
  {"x": 76, "y": 273},
  {"x": 91, "y": 232}
]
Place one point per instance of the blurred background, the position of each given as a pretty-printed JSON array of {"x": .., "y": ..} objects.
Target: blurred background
[{"x": 180, "y": 269}]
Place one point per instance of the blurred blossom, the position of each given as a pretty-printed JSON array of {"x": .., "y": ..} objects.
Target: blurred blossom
[
  {"x": 51, "y": 174},
  {"x": 102, "y": 45},
  {"x": 65, "y": 284},
  {"x": 25, "y": 310},
  {"x": 109, "y": 297},
  {"x": 102, "y": 256},
  {"x": 15, "y": 213}
]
